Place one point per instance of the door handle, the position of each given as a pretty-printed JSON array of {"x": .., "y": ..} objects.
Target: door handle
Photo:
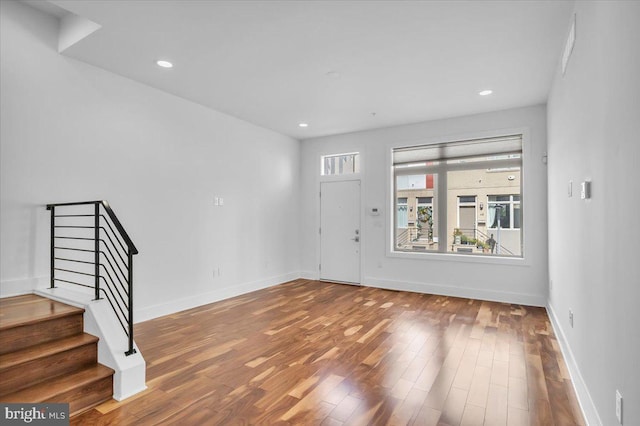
[{"x": 356, "y": 239}]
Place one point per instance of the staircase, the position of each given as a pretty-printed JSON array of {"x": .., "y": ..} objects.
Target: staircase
[{"x": 46, "y": 357}]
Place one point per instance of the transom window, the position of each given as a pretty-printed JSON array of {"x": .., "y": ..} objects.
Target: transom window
[
  {"x": 460, "y": 197},
  {"x": 340, "y": 164}
]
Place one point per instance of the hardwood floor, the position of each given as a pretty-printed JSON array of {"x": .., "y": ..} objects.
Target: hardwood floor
[{"x": 309, "y": 352}]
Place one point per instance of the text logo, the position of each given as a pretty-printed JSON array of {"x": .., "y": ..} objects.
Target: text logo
[{"x": 34, "y": 414}]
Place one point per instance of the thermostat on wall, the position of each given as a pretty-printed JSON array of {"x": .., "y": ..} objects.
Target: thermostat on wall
[{"x": 374, "y": 211}]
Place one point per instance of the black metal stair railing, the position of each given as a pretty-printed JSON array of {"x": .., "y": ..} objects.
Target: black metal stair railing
[{"x": 87, "y": 251}]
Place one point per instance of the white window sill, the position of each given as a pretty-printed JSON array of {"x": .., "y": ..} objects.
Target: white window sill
[{"x": 456, "y": 257}]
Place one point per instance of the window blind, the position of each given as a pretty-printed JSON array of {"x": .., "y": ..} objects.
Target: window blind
[{"x": 458, "y": 150}]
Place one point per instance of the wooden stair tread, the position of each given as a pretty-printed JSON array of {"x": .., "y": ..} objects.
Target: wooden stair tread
[
  {"x": 31, "y": 309},
  {"x": 43, "y": 350},
  {"x": 45, "y": 356},
  {"x": 47, "y": 390}
]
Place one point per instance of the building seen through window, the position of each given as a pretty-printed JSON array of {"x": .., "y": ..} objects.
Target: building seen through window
[{"x": 462, "y": 197}]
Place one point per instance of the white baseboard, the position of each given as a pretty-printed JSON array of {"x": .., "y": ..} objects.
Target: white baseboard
[
  {"x": 151, "y": 312},
  {"x": 447, "y": 290},
  {"x": 589, "y": 410},
  {"x": 11, "y": 288},
  {"x": 309, "y": 275}
]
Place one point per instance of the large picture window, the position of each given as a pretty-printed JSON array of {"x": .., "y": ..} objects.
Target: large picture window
[{"x": 459, "y": 197}]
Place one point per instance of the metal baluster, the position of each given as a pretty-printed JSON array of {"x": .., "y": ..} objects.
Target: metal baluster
[
  {"x": 131, "y": 349},
  {"x": 53, "y": 244},
  {"x": 96, "y": 249}
]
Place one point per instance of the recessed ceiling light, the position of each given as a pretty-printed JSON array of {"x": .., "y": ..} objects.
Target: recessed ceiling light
[
  {"x": 164, "y": 64},
  {"x": 485, "y": 92},
  {"x": 303, "y": 125}
]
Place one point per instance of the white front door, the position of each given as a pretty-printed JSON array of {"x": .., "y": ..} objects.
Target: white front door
[{"x": 340, "y": 231}]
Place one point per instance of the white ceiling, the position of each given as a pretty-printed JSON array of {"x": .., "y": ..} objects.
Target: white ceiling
[{"x": 267, "y": 62}]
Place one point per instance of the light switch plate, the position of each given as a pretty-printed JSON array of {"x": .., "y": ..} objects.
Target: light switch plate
[{"x": 585, "y": 190}]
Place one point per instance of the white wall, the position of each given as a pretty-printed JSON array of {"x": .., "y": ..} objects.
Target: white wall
[
  {"x": 72, "y": 132},
  {"x": 513, "y": 280},
  {"x": 594, "y": 263}
]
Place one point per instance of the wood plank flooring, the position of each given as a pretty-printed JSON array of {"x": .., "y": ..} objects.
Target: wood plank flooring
[
  {"x": 27, "y": 309},
  {"x": 309, "y": 352}
]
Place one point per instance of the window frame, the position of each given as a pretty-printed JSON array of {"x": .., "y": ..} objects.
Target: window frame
[
  {"x": 391, "y": 191},
  {"x": 356, "y": 164}
]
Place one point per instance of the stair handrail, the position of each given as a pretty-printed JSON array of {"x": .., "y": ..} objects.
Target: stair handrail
[
  {"x": 112, "y": 216},
  {"x": 130, "y": 252}
]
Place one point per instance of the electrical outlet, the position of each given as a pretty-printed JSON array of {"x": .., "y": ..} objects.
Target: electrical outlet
[
  {"x": 619, "y": 406},
  {"x": 571, "y": 318}
]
